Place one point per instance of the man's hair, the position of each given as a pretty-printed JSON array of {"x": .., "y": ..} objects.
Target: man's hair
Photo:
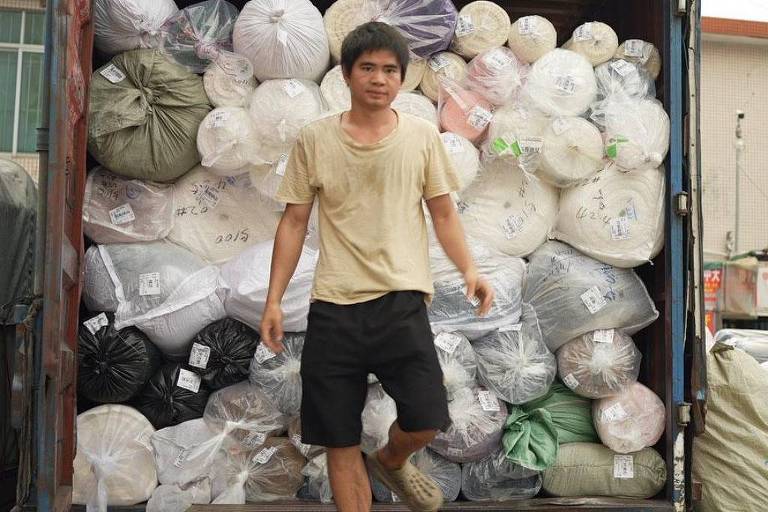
[{"x": 370, "y": 37}]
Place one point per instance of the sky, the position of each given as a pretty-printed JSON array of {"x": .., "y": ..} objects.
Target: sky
[{"x": 756, "y": 10}]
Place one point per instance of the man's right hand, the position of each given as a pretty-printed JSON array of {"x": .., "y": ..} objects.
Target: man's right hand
[{"x": 272, "y": 328}]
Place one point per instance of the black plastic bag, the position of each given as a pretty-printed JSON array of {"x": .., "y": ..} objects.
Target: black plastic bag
[
  {"x": 221, "y": 353},
  {"x": 173, "y": 395},
  {"x": 113, "y": 366}
]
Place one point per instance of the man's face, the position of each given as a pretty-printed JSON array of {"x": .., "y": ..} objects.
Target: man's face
[{"x": 374, "y": 79}]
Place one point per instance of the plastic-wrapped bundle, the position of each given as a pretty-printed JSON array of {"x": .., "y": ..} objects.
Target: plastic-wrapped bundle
[
  {"x": 317, "y": 485},
  {"x": 516, "y": 364},
  {"x": 457, "y": 360},
  {"x": 113, "y": 365},
  {"x": 172, "y": 498},
  {"x": 280, "y": 109},
  {"x": 282, "y": 39},
  {"x": 481, "y": 25},
  {"x": 417, "y": 105},
  {"x": 496, "y": 478},
  {"x": 143, "y": 116},
  {"x": 477, "y": 423},
  {"x": 442, "y": 64},
  {"x": 278, "y": 374},
  {"x": 414, "y": 74},
  {"x": 122, "y": 25},
  {"x": 221, "y": 352},
  {"x": 515, "y": 136},
  {"x": 310, "y": 451},
  {"x": 599, "y": 364},
  {"x": 630, "y": 421},
  {"x": 217, "y": 218},
  {"x": 184, "y": 453},
  {"x": 113, "y": 463},
  {"x": 463, "y": 111},
  {"x": 535, "y": 430},
  {"x": 427, "y": 25},
  {"x": 508, "y": 210},
  {"x": 496, "y": 74},
  {"x": 594, "y": 40},
  {"x": 172, "y": 396},
  {"x": 196, "y": 35},
  {"x": 227, "y": 90},
  {"x": 445, "y": 474},
  {"x": 572, "y": 151},
  {"x": 247, "y": 281},
  {"x": 335, "y": 91},
  {"x": 561, "y": 83},
  {"x": 573, "y": 294},
  {"x": 616, "y": 217},
  {"x": 751, "y": 341},
  {"x": 96, "y": 296},
  {"x": 378, "y": 415},
  {"x": 117, "y": 209},
  {"x": 465, "y": 157},
  {"x": 530, "y": 37},
  {"x": 641, "y": 52},
  {"x": 268, "y": 473},
  {"x": 451, "y": 310},
  {"x": 636, "y": 131},
  {"x": 226, "y": 139},
  {"x": 619, "y": 76}
]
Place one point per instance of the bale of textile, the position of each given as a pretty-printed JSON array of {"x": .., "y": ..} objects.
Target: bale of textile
[
  {"x": 378, "y": 415},
  {"x": 515, "y": 137},
  {"x": 463, "y": 111},
  {"x": 561, "y": 83},
  {"x": 122, "y": 25},
  {"x": 481, "y": 25},
  {"x": 457, "y": 361},
  {"x": 572, "y": 151},
  {"x": 317, "y": 484},
  {"x": 172, "y": 396},
  {"x": 226, "y": 141},
  {"x": 445, "y": 474},
  {"x": 464, "y": 156},
  {"x": 594, "y": 40},
  {"x": 335, "y": 90},
  {"x": 531, "y": 37},
  {"x": 496, "y": 478},
  {"x": 417, "y": 105},
  {"x": 174, "y": 498},
  {"x": 625, "y": 77},
  {"x": 496, "y": 74},
  {"x": 641, "y": 52},
  {"x": 277, "y": 375},
  {"x": 752, "y": 341},
  {"x": 221, "y": 353},
  {"x": 631, "y": 420},
  {"x": 294, "y": 434},
  {"x": 184, "y": 453},
  {"x": 441, "y": 64},
  {"x": 225, "y": 89}
]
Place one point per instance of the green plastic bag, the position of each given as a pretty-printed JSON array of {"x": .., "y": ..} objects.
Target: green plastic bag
[
  {"x": 536, "y": 429},
  {"x": 143, "y": 116}
]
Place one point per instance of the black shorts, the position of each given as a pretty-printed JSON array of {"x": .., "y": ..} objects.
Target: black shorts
[{"x": 390, "y": 337}]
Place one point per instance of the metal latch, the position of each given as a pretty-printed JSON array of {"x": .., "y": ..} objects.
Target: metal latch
[
  {"x": 682, "y": 7},
  {"x": 684, "y": 414},
  {"x": 682, "y": 204}
]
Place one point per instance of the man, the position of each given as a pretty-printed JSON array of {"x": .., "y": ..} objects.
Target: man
[{"x": 370, "y": 168}]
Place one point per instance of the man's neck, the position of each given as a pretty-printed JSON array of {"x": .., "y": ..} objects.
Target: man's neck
[{"x": 364, "y": 118}]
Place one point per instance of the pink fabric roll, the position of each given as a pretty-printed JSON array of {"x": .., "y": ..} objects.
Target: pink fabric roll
[
  {"x": 465, "y": 113},
  {"x": 631, "y": 420}
]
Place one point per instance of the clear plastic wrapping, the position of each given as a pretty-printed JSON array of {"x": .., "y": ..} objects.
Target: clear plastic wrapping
[
  {"x": 117, "y": 209},
  {"x": 317, "y": 485},
  {"x": 173, "y": 498},
  {"x": 630, "y": 421},
  {"x": 751, "y": 341},
  {"x": 335, "y": 91},
  {"x": 227, "y": 90},
  {"x": 221, "y": 353},
  {"x": 530, "y": 37},
  {"x": 310, "y": 451},
  {"x": 477, "y": 423},
  {"x": 277, "y": 375},
  {"x": 464, "y": 156},
  {"x": 515, "y": 363},
  {"x": 282, "y": 39},
  {"x": 620, "y": 76},
  {"x": 481, "y": 25},
  {"x": 442, "y": 64},
  {"x": 641, "y": 52},
  {"x": 122, "y": 25},
  {"x": 616, "y": 217},
  {"x": 561, "y": 83},
  {"x": 417, "y": 105},
  {"x": 497, "y": 75},
  {"x": 463, "y": 111},
  {"x": 599, "y": 363},
  {"x": 446, "y": 474},
  {"x": 96, "y": 296},
  {"x": 457, "y": 361},
  {"x": 172, "y": 396},
  {"x": 515, "y": 137},
  {"x": 378, "y": 415},
  {"x": 496, "y": 478},
  {"x": 184, "y": 453},
  {"x": 594, "y": 40},
  {"x": 573, "y": 294},
  {"x": 572, "y": 151},
  {"x": 226, "y": 140}
]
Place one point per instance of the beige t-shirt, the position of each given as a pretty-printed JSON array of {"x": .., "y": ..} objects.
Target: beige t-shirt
[{"x": 373, "y": 234}]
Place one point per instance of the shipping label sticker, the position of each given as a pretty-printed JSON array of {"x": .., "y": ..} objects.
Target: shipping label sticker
[
  {"x": 566, "y": 84},
  {"x": 218, "y": 118},
  {"x": 264, "y": 455},
  {"x": 189, "y": 380},
  {"x": 96, "y": 323},
  {"x": 629, "y": 211},
  {"x": 112, "y": 73},
  {"x": 614, "y": 413},
  {"x": 512, "y": 226},
  {"x": 623, "y": 466},
  {"x": 464, "y": 26},
  {"x": 620, "y": 228},
  {"x": 282, "y": 164},
  {"x": 452, "y": 143},
  {"x": 488, "y": 401},
  {"x": 603, "y": 336},
  {"x": 571, "y": 381},
  {"x": 511, "y": 328},
  {"x": 438, "y": 62},
  {"x": 497, "y": 59},
  {"x": 560, "y": 125},
  {"x": 593, "y": 300},
  {"x": 303, "y": 448},
  {"x": 149, "y": 284},
  {"x": 530, "y": 145},
  {"x": 254, "y": 439},
  {"x": 623, "y": 68},
  {"x": 293, "y": 88},
  {"x": 180, "y": 458},
  {"x": 123, "y": 214},
  {"x": 583, "y": 33},
  {"x": 527, "y": 25},
  {"x": 199, "y": 356},
  {"x": 263, "y": 353},
  {"x": 634, "y": 48},
  {"x": 447, "y": 341},
  {"x": 479, "y": 117}
]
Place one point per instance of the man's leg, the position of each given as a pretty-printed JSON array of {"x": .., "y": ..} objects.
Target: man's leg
[
  {"x": 402, "y": 445},
  {"x": 349, "y": 479}
]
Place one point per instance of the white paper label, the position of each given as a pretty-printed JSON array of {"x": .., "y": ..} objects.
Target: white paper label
[
  {"x": 583, "y": 32},
  {"x": 282, "y": 163},
  {"x": 527, "y": 25},
  {"x": 530, "y": 145},
  {"x": 622, "y": 67},
  {"x": 620, "y": 228},
  {"x": 630, "y": 211},
  {"x": 512, "y": 226},
  {"x": 464, "y": 26},
  {"x": 149, "y": 284},
  {"x": 395, "y": 498},
  {"x": 623, "y": 466},
  {"x": 263, "y": 353},
  {"x": 634, "y": 48},
  {"x": 479, "y": 117},
  {"x": 180, "y": 458},
  {"x": 453, "y": 144},
  {"x": 571, "y": 381},
  {"x": 488, "y": 400},
  {"x": 189, "y": 380},
  {"x": 511, "y": 328},
  {"x": 438, "y": 62},
  {"x": 447, "y": 341},
  {"x": 94, "y": 324},
  {"x": 497, "y": 59},
  {"x": 593, "y": 300},
  {"x": 560, "y": 126},
  {"x": 254, "y": 439},
  {"x": 218, "y": 118},
  {"x": 566, "y": 84},
  {"x": 303, "y": 448},
  {"x": 112, "y": 74},
  {"x": 199, "y": 356},
  {"x": 293, "y": 87},
  {"x": 603, "y": 336},
  {"x": 264, "y": 455},
  {"x": 614, "y": 413},
  {"x": 123, "y": 214}
]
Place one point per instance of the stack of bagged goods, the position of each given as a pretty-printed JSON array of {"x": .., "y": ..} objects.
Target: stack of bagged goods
[
  {"x": 560, "y": 156},
  {"x": 751, "y": 341}
]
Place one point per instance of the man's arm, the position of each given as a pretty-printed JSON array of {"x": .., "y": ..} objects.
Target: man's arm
[
  {"x": 451, "y": 236},
  {"x": 285, "y": 256}
]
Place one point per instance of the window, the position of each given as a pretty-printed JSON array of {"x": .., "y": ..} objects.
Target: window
[{"x": 21, "y": 79}]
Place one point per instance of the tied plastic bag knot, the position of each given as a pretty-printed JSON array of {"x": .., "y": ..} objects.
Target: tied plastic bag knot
[
  {"x": 277, "y": 16},
  {"x": 206, "y": 50},
  {"x": 234, "y": 65}
]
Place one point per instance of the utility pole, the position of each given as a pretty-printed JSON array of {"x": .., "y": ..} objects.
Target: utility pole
[{"x": 739, "y": 167}]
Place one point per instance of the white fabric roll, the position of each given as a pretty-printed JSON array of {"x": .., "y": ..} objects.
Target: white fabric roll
[
  {"x": 594, "y": 40},
  {"x": 628, "y": 422},
  {"x": 641, "y": 52},
  {"x": 227, "y": 90},
  {"x": 512, "y": 123},
  {"x": 619, "y": 76},
  {"x": 122, "y": 25},
  {"x": 282, "y": 39},
  {"x": 530, "y": 37},
  {"x": 280, "y": 108},
  {"x": 482, "y": 25},
  {"x": 561, "y": 83},
  {"x": 335, "y": 91},
  {"x": 442, "y": 64},
  {"x": 113, "y": 454},
  {"x": 414, "y": 74},
  {"x": 616, "y": 217},
  {"x": 417, "y": 105},
  {"x": 226, "y": 140},
  {"x": 465, "y": 157},
  {"x": 497, "y": 75},
  {"x": 572, "y": 151},
  {"x": 216, "y": 217}
]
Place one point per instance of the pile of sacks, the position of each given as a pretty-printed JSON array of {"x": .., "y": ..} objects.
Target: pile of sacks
[{"x": 559, "y": 153}]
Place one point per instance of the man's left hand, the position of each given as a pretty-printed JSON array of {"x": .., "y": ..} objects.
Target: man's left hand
[{"x": 479, "y": 288}]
